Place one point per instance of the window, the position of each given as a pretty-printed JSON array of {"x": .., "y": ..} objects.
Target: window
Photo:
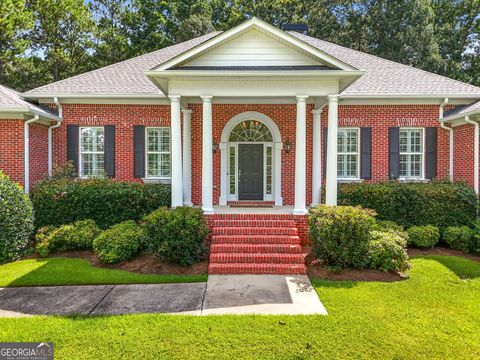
[
  {"x": 411, "y": 154},
  {"x": 92, "y": 156},
  {"x": 158, "y": 152},
  {"x": 348, "y": 154},
  {"x": 232, "y": 170},
  {"x": 250, "y": 131},
  {"x": 269, "y": 168}
]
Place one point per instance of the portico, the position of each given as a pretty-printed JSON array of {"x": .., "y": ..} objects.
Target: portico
[{"x": 252, "y": 163}]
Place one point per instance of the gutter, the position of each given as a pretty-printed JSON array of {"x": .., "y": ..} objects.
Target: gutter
[
  {"x": 26, "y": 159},
  {"x": 50, "y": 135},
  {"x": 476, "y": 154},
  {"x": 450, "y": 142}
]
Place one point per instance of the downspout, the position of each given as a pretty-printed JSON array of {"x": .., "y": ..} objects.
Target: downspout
[
  {"x": 26, "y": 155},
  {"x": 450, "y": 142},
  {"x": 50, "y": 136},
  {"x": 475, "y": 149}
]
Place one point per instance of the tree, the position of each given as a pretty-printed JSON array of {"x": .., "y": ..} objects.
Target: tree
[
  {"x": 15, "y": 21},
  {"x": 111, "y": 38},
  {"x": 63, "y": 36}
]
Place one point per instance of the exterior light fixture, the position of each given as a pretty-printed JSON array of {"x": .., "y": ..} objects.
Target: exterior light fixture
[
  {"x": 287, "y": 146},
  {"x": 214, "y": 147}
]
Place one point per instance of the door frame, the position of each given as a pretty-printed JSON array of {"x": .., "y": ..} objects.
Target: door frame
[{"x": 225, "y": 146}]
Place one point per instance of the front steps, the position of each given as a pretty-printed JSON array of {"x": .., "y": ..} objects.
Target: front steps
[{"x": 255, "y": 244}]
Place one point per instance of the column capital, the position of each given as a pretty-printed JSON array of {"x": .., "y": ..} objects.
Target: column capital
[
  {"x": 206, "y": 98},
  {"x": 333, "y": 98},
  {"x": 174, "y": 98},
  {"x": 317, "y": 111},
  {"x": 186, "y": 111},
  {"x": 301, "y": 98}
]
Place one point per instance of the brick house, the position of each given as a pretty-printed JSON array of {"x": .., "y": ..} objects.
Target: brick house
[{"x": 253, "y": 116}]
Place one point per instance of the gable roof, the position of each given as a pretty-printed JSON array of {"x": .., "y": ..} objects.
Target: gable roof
[
  {"x": 460, "y": 112},
  {"x": 382, "y": 78},
  {"x": 12, "y": 102}
]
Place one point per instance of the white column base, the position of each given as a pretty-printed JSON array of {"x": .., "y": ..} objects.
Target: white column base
[
  {"x": 208, "y": 211},
  {"x": 300, "y": 212}
]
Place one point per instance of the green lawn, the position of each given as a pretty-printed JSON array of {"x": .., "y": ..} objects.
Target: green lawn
[
  {"x": 67, "y": 271},
  {"x": 434, "y": 314}
]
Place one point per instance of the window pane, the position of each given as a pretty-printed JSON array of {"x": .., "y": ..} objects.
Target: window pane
[
  {"x": 403, "y": 166},
  {"x": 232, "y": 170},
  {"x": 269, "y": 170},
  {"x": 153, "y": 165},
  {"x": 86, "y": 139},
  {"x": 99, "y": 139},
  {"x": 153, "y": 140},
  {"x": 164, "y": 140},
  {"x": 164, "y": 164}
]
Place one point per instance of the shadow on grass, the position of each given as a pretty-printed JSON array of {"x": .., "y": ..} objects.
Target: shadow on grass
[{"x": 463, "y": 268}]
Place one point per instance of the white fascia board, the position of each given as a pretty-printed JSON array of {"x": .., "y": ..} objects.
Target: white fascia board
[
  {"x": 460, "y": 116},
  {"x": 253, "y": 22},
  {"x": 29, "y": 111},
  {"x": 253, "y": 73},
  {"x": 92, "y": 96}
]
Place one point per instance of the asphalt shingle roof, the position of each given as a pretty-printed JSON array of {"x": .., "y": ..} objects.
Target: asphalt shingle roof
[
  {"x": 463, "y": 110},
  {"x": 382, "y": 77},
  {"x": 13, "y": 100}
]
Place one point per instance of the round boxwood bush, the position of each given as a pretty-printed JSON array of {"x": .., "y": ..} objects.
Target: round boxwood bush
[
  {"x": 16, "y": 220},
  {"x": 76, "y": 236},
  {"x": 460, "y": 238},
  {"x": 387, "y": 251},
  {"x": 118, "y": 243},
  {"x": 423, "y": 236},
  {"x": 177, "y": 235},
  {"x": 341, "y": 234}
]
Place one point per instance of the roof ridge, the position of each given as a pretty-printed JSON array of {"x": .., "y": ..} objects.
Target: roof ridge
[
  {"x": 123, "y": 61},
  {"x": 384, "y": 59}
]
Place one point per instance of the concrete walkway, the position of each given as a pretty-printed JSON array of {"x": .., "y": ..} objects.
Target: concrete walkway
[{"x": 222, "y": 294}]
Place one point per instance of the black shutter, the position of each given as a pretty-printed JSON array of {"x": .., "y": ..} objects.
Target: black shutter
[
  {"x": 110, "y": 150},
  {"x": 324, "y": 152},
  {"x": 366, "y": 153},
  {"x": 431, "y": 152},
  {"x": 139, "y": 150},
  {"x": 73, "y": 138},
  {"x": 393, "y": 153}
]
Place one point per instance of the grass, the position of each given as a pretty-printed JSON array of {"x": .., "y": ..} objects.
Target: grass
[
  {"x": 434, "y": 314},
  {"x": 67, "y": 271}
]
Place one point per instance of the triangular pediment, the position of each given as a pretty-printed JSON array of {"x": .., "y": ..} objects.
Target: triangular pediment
[{"x": 254, "y": 44}]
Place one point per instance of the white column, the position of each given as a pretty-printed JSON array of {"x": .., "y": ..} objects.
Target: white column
[
  {"x": 316, "y": 158},
  {"x": 300, "y": 156},
  {"x": 176, "y": 130},
  {"x": 277, "y": 179},
  {"x": 207, "y": 156},
  {"x": 331, "y": 176},
  {"x": 187, "y": 158}
]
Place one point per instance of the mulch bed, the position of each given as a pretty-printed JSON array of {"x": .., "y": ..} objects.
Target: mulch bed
[
  {"x": 441, "y": 251},
  {"x": 145, "y": 264}
]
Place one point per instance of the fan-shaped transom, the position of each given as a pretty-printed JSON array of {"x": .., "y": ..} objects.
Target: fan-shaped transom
[{"x": 250, "y": 131}]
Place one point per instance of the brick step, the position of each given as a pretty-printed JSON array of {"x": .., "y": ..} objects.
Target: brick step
[
  {"x": 254, "y": 231},
  {"x": 284, "y": 269},
  {"x": 264, "y": 258},
  {"x": 255, "y": 239},
  {"x": 253, "y": 223},
  {"x": 256, "y": 248}
]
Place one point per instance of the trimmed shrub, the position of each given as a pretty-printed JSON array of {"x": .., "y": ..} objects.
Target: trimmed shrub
[
  {"x": 423, "y": 236},
  {"x": 460, "y": 238},
  {"x": 439, "y": 203},
  {"x": 387, "y": 252},
  {"x": 118, "y": 243},
  {"x": 107, "y": 202},
  {"x": 16, "y": 220},
  {"x": 177, "y": 235},
  {"x": 76, "y": 236},
  {"x": 341, "y": 235}
]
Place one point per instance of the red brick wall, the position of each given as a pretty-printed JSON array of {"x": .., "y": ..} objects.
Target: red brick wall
[
  {"x": 463, "y": 153},
  {"x": 11, "y": 148},
  {"x": 124, "y": 117},
  {"x": 38, "y": 135},
  {"x": 380, "y": 118}
]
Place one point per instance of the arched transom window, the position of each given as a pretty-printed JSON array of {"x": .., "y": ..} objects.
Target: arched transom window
[{"x": 250, "y": 131}]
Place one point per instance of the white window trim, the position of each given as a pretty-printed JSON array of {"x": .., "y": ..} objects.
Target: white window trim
[
  {"x": 154, "y": 178},
  {"x": 422, "y": 176},
  {"x": 357, "y": 178},
  {"x": 80, "y": 152}
]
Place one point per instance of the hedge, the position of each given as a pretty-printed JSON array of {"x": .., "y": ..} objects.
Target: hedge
[
  {"x": 439, "y": 203},
  {"x": 107, "y": 202}
]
